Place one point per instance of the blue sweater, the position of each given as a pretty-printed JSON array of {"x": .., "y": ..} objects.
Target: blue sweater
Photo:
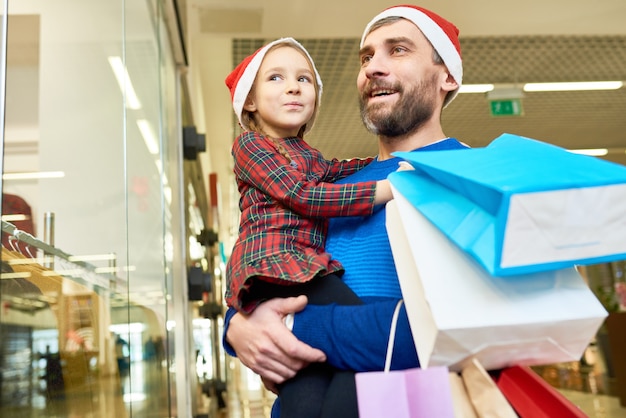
[{"x": 355, "y": 337}]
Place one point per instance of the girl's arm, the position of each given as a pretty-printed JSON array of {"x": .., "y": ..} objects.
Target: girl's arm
[
  {"x": 338, "y": 169},
  {"x": 258, "y": 164}
]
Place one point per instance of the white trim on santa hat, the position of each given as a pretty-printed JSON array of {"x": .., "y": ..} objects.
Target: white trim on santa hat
[
  {"x": 245, "y": 82},
  {"x": 434, "y": 33}
]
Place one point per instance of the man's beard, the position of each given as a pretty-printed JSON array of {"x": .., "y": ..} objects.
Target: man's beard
[{"x": 412, "y": 110}]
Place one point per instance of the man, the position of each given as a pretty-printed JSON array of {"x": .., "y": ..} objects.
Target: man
[{"x": 410, "y": 70}]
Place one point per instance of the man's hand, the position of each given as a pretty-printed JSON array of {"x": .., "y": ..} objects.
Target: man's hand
[
  {"x": 265, "y": 345},
  {"x": 269, "y": 385}
]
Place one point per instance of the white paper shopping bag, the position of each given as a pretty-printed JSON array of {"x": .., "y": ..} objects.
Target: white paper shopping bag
[
  {"x": 458, "y": 311},
  {"x": 520, "y": 205}
]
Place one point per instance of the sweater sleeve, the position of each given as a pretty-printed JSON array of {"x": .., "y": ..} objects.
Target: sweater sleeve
[
  {"x": 227, "y": 317},
  {"x": 355, "y": 337}
]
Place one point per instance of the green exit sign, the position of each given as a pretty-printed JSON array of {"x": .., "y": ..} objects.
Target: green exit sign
[{"x": 507, "y": 107}]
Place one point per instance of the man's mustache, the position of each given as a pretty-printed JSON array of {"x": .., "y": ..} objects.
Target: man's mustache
[{"x": 377, "y": 87}]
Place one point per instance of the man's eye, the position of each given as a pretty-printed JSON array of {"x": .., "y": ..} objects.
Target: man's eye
[{"x": 365, "y": 59}]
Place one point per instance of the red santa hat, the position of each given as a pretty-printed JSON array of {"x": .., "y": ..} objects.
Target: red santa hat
[
  {"x": 241, "y": 79},
  {"x": 443, "y": 36}
]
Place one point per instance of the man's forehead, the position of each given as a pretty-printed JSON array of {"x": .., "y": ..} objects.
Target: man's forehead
[{"x": 398, "y": 29}]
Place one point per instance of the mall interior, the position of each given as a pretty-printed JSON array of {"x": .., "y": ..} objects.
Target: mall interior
[{"x": 119, "y": 206}]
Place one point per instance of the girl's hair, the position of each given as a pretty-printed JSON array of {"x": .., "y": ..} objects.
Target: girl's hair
[{"x": 249, "y": 117}]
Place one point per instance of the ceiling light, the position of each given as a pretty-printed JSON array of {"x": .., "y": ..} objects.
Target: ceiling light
[
  {"x": 34, "y": 175},
  {"x": 15, "y": 217},
  {"x": 134, "y": 397},
  {"x": 505, "y": 92},
  {"x": 596, "y": 152},
  {"x": 574, "y": 86},
  {"x": 23, "y": 261},
  {"x": 105, "y": 270},
  {"x": 66, "y": 272},
  {"x": 92, "y": 257},
  {"x": 475, "y": 88},
  {"x": 123, "y": 80},
  {"x": 148, "y": 136},
  {"x": 15, "y": 275},
  {"x": 534, "y": 87}
]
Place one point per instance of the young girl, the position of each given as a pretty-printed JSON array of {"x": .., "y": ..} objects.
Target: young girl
[{"x": 287, "y": 196}]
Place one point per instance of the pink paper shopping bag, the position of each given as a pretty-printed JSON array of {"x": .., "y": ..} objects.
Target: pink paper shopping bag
[{"x": 411, "y": 393}]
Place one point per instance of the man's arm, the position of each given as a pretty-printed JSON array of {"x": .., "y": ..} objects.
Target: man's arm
[
  {"x": 264, "y": 344},
  {"x": 355, "y": 337}
]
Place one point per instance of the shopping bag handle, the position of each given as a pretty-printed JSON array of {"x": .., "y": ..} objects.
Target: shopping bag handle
[{"x": 392, "y": 335}]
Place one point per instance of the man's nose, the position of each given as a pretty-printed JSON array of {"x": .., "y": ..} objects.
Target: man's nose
[{"x": 377, "y": 66}]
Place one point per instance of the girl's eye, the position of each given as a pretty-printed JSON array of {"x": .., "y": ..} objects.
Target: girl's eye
[
  {"x": 274, "y": 77},
  {"x": 304, "y": 79}
]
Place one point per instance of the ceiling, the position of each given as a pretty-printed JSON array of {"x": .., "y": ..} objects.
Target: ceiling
[{"x": 502, "y": 42}]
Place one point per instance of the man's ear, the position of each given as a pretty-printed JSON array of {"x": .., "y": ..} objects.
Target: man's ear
[{"x": 449, "y": 83}]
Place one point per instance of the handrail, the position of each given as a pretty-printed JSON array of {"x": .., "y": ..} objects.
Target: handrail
[{"x": 88, "y": 277}]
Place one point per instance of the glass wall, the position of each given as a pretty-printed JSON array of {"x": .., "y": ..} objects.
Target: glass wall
[{"x": 95, "y": 319}]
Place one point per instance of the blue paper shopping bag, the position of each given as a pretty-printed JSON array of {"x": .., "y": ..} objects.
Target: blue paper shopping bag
[{"x": 520, "y": 205}]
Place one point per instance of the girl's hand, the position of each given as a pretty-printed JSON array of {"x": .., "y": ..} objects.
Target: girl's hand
[{"x": 404, "y": 166}]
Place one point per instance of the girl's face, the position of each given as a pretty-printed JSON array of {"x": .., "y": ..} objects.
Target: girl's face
[{"x": 284, "y": 95}]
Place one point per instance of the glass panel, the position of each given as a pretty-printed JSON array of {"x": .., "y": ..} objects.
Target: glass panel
[
  {"x": 91, "y": 244},
  {"x": 148, "y": 216}
]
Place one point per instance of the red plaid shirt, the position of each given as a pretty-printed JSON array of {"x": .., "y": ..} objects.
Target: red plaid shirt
[{"x": 284, "y": 213}]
